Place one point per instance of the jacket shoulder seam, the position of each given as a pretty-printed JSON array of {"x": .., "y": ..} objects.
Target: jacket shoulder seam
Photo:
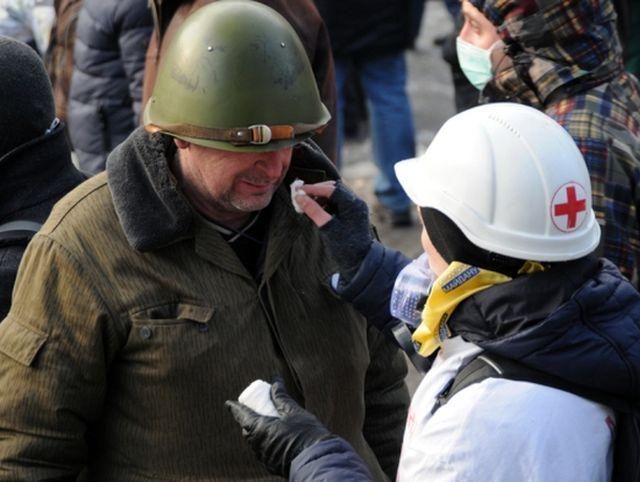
[
  {"x": 93, "y": 285},
  {"x": 68, "y": 209}
]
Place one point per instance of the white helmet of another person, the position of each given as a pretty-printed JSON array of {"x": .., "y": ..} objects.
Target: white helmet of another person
[{"x": 511, "y": 179}]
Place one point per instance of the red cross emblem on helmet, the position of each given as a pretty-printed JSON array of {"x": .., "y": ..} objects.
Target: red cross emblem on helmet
[{"x": 569, "y": 207}]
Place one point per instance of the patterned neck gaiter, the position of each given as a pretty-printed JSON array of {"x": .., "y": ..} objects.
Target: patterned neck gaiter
[{"x": 457, "y": 283}]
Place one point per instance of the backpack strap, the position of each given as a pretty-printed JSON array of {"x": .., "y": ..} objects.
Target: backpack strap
[
  {"x": 18, "y": 232},
  {"x": 488, "y": 365},
  {"x": 475, "y": 371},
  {"x": 626, "y": 454},
  {"x": 402, "y": 336}
]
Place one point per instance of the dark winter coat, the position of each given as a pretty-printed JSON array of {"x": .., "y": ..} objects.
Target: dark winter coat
[
  {"x": 33, "y": 177},
  {"x": 568, "y": 62},
  {"x": 367, "y": 28},
  {"x": 579, "y": 322},
  {"x": 134, "y": 320},
  {"x": 303, "y": 17},
  {"x": 106, "y": 86}
]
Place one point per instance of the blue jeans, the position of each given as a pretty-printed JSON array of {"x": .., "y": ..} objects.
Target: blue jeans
[{"x": 384, "y": 82}]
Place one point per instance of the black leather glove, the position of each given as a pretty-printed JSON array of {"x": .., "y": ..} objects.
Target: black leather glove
[
  {"x": 277, "y": 441},
  {"x": 348, "y": 233}
]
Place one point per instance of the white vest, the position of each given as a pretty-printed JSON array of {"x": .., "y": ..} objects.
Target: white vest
[{"x": 503, "y": 431}]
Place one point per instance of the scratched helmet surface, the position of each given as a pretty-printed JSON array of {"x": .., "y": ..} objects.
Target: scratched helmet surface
[{"x": 236, "y": 77}]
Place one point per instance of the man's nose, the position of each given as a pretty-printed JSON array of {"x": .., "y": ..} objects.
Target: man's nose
[{"x": 270, "y": 165}]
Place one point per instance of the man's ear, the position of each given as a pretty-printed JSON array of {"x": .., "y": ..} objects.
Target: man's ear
[{"x": 180, "y": 143}]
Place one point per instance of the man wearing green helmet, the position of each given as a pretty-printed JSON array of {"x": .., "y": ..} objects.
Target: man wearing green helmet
[
  {"x": 157, "y": 290},
  {"x": 302, "y": 15}
]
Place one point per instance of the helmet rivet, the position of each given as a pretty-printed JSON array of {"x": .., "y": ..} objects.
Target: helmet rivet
[
  {"x": 283, "y": 45},
  {"x": 210, "y": 48}
]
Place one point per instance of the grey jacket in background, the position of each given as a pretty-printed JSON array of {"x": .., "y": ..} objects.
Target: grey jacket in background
[{"x": 106, "y": 86}]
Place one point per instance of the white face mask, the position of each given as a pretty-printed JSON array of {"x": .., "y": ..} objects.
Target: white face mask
[{"x": 475, "y": 62}]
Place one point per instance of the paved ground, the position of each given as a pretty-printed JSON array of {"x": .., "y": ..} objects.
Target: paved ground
[{"x": 431, "y": 94}]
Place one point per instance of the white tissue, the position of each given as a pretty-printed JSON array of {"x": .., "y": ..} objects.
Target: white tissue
[
  {"x": 295, "y": 187},
  {"x": 257, "y": 396}
]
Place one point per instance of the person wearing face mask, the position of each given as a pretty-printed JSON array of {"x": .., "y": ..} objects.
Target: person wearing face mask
[
  {"x": 565, "y": 59},
  {"x": 511, "y": 238}
]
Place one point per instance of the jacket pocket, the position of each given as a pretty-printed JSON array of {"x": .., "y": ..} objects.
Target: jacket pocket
[
  {"x": 165, "y": 342},
  {"x": 173, "y": 313},
  {"x": 20, "y": 342}
]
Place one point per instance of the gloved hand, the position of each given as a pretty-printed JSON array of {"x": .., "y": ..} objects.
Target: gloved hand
[
  {"x": 276, "y": 441},
  {"x": 345, "y": 227}
]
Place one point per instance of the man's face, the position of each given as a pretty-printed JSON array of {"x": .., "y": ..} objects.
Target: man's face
[
  {"x": 477, "y": 29},
  {"x": 227, "y": 186}
]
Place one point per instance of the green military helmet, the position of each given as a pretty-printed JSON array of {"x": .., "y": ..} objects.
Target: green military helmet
[{"x": 236, "y": 77}]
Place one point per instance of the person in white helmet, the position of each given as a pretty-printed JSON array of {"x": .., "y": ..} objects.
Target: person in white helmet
[{"x": 510, "y": 234}]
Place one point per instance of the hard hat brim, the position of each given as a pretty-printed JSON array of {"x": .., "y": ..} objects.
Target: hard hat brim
[
  {"x": 413, "y": 177},
  {"x": 410, "y": 174}
]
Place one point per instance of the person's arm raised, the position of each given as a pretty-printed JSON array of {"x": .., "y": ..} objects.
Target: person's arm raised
[
  {"x": 367, "y": 269},
  {"x": 344, "y": 224}
]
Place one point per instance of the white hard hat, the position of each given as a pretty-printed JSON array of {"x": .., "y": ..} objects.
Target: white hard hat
[{"x": 512, "y": 179}]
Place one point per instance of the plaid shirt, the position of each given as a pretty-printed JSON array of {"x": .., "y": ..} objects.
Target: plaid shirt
[{"x": 564, "y": 57}]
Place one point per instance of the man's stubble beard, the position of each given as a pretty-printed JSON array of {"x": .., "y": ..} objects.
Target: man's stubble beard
[{"x": 228, "y": 203}]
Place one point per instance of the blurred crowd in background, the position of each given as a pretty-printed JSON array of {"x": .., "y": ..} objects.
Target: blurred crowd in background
[
  {"x": 101, "y": 56},
  {"x": 575, "y": 60}
]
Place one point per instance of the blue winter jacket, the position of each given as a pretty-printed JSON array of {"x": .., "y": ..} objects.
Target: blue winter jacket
[
  {"x": 106, "y": 85},
  {"x": 370, "y": 289},
  {"x": 579, "y": 322}
]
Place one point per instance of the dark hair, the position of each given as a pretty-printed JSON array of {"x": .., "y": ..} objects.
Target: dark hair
[{"x": 453, "y": 245}]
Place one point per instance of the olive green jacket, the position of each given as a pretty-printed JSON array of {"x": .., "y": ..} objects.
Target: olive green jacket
[{"x": 133, "y": 322}]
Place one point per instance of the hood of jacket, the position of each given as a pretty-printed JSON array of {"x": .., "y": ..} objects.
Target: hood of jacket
[
  {"x": 150, "y": 206},
  {"x": 35, "y": 175},
  {"x": 554, "y": 49},
  {"x": 579, "y": 322}
]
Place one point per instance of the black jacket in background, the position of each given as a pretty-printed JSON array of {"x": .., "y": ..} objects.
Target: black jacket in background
[
  {"x": 33, "y": 177},
  {"x": 367, "y": 28}
]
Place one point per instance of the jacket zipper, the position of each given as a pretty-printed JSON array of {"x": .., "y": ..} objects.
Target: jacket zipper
[{"x": 267, "y": 307}]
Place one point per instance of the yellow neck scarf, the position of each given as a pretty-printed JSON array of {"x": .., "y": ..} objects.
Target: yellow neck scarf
[{"x": 454, "y": 285}]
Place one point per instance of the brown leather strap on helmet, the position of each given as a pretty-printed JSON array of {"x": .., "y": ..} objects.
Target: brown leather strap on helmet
[{"x": 258, "y": 134}]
